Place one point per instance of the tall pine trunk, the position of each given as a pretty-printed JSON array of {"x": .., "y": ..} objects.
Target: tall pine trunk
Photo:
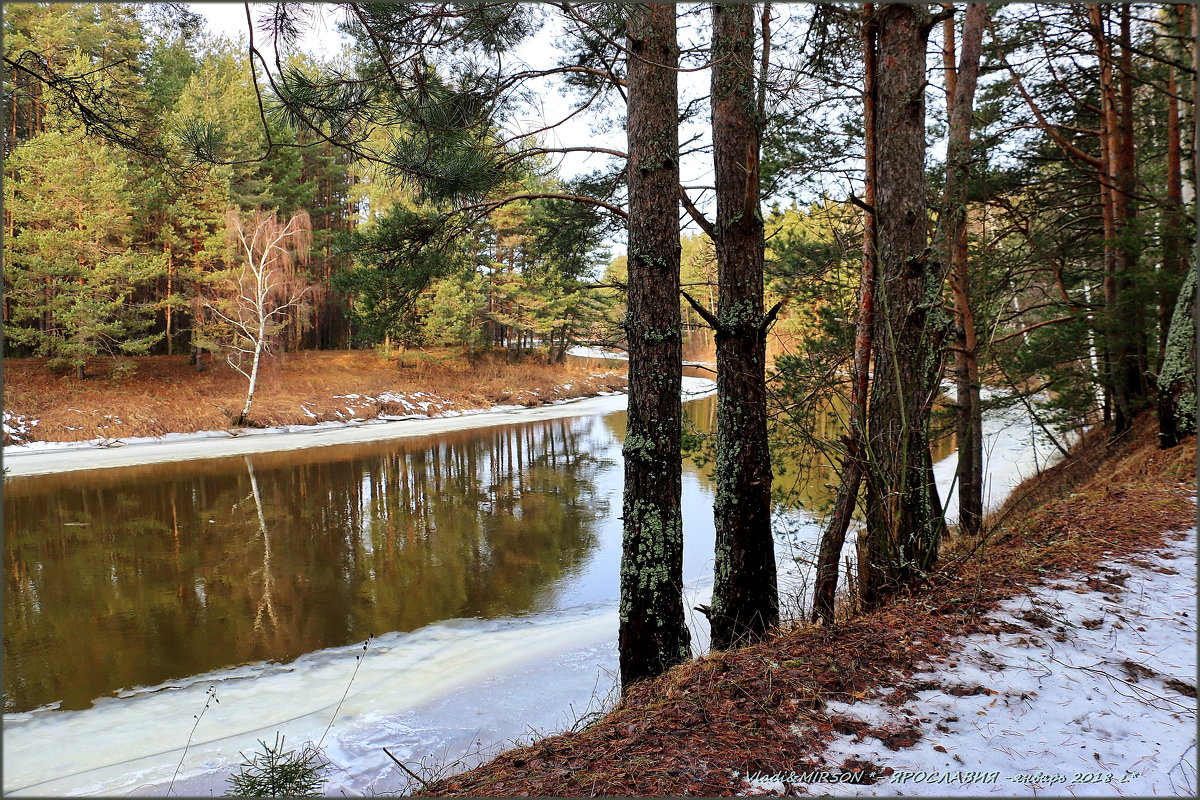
[
  {"x": 1124, "y": 321},
  {"x": 904, "y": 523},
  {"x": 834, "y": 535},
  {"x": 653, "y": 633},
  {"x": 953, "y": 255},
  {"x": 1174, "y": 218},
  {"x": 745, "y": 601}
]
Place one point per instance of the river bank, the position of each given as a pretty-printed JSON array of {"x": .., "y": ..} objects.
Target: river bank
[
  {"x": 164, "y": 395},
  {"x": 312, "y": 400},
  {"x": 1055, "y": 656}
]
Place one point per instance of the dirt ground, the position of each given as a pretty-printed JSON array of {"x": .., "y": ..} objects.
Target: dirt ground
[{"x": 166, "y": 395}]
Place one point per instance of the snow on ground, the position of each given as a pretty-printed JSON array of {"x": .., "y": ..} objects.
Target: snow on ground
[
  {"x": 37, "y": 458},
  {"x": 18, "y": 425},
  {"x": 581, "y": 351},
  {"x": 1089, "y": 691}
]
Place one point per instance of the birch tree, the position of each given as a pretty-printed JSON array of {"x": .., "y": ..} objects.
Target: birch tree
[{"x": 247, "y": 306}]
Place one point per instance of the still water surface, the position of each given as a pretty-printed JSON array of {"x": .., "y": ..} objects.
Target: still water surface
[
  {"x": 132, "y": 577},
  {"x": 505, "y": 538}
]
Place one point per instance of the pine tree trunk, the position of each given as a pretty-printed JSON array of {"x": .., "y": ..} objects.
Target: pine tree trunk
[
  {"x": 653, "y": 632},
  {"x": 903, "y": 526},
  {"x": 745, "y": 601},
  {"x": 834, "y": 535},
  {"x": 953, "y": 253},
  {"x": 1124, "y": 323},
  {"x": 1174, "y": 221}
]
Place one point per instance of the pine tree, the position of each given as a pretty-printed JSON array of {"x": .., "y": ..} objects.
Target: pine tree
[
  {"x": 70, "y": 267},
  {"x": 653, "y": 635},
  {"x": 745, "y": 602},
  {"x": 904, "y": 515}
]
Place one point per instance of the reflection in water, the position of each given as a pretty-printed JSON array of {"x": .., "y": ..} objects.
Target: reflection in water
[
  {"x": 806, "y": 474},
  {"x": 120, "y": 578},
  {"x": 139, "y": 576}
]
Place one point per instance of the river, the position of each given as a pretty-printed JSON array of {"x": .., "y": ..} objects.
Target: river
[{"x": 437, "y": 595}]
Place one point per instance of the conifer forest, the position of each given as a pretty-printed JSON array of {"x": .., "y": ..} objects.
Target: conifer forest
[{"x": 572, "y": 399}]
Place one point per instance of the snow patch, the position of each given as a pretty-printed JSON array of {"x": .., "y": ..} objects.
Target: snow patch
[
  {"x": 1091, "y": 691},
  {"x": 17, "y": 426},
  {"x": 582, "y": 351}
]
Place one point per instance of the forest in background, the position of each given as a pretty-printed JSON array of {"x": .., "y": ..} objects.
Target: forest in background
[{"x": 1045, "y": 252}]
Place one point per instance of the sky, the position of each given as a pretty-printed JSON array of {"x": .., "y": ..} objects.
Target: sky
[{"x": 229, "y": 19}]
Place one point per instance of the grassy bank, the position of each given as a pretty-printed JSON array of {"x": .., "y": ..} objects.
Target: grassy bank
[
  {"x": 166, "y": 395},
  {"x": 765, "y": 708}
]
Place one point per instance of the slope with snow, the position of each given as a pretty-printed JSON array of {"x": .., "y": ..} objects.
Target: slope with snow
[{"x": 1090, "y": 690}]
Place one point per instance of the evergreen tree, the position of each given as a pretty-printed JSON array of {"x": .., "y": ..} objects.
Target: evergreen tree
[
  {"x": 904, "y": 515},
  {"x": 70, "y": 268}
]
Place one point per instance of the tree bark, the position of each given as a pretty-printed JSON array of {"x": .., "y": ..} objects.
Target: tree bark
[
  {"x": 834, "y": 536},
  {"x": 745, "y": 601},
  {"x": 904, "y": 527},
  {"x": 1124, "y": 324},
  {"x": 1177, "y": 378},
  {"x": 1174, "y": 235},
  {"x": 653, "y": 633},
  {"x": 953, "y": 253}
]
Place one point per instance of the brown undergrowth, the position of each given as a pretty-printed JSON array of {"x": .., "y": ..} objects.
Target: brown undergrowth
[
  {"x": 166, "y": 395},
  {"x": 762, "y": 708}
]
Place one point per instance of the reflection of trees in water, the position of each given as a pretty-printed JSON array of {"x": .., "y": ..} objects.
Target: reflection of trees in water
[
  {"x": 805, "y": 460},
  {"x": 118, "y": 580}
]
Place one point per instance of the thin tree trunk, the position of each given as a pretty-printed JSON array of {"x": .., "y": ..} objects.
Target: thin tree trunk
[
  {"x": 253, "y": 380},
  {"x": 834, "y": 536},
  {"x": 745, "y": 601},
  {"x": 169, "y": 307},
  {"x": 1132, "y": 319},
  {"x": 903, "y": 526},
  {"x": 953, "y": 252},
  {"x": 653, "y": 632}
]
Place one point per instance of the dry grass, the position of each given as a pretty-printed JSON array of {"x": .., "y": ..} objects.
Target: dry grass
[
  {"x": 764, "y": 708},
  {"x": 167, "y": 395}
]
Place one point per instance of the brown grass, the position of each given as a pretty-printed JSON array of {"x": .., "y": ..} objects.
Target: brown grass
[
  {"x": 763, "y": 708},
  {"x": 167, "y": 395}
]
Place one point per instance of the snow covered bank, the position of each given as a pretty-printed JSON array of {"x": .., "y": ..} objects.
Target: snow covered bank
[
  {"x": 580, "y": 351},
  {"x": 50, "y": 457},
  {"x": 1088, "y": 690}
]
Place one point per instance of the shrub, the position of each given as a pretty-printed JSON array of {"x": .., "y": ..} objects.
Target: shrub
[{"x": 273, "y": 771}]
